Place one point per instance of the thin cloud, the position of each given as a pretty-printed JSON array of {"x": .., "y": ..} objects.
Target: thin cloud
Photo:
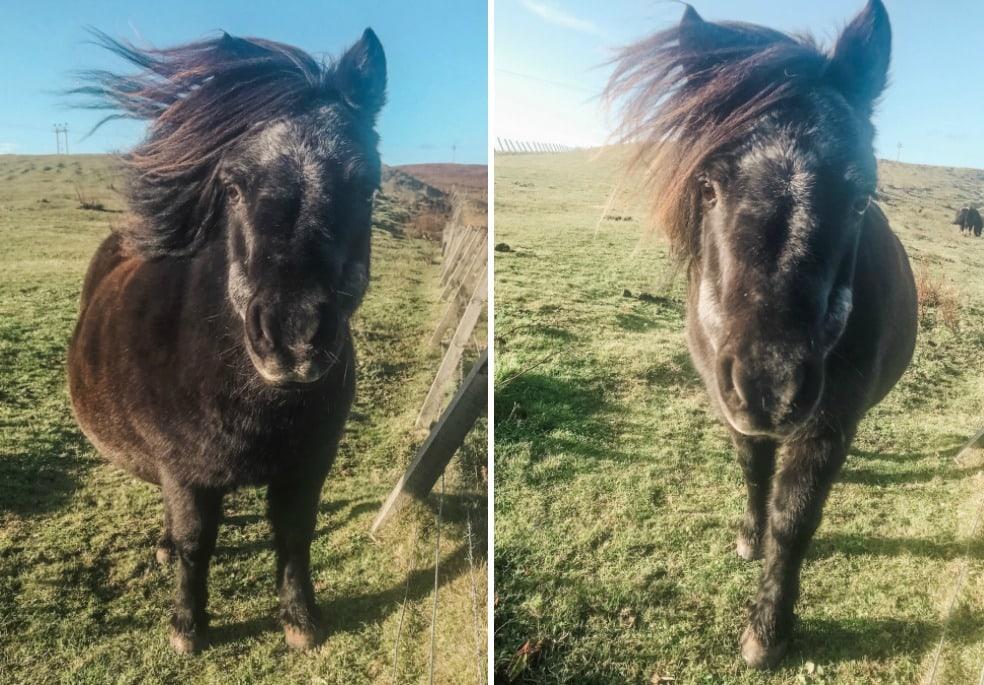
[
  {"x": 7, "y": 148},
  {"x": 558, "y": 17}
]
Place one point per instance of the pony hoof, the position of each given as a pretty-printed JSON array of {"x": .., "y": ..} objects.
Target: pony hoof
[
  {"x": 185, "y": 643},
  {"x": 164, "y": 555},
  {"x": 301, "y": 639},
  {"x": 757, "y": 654},
  {"x": 746, "y": 550}
]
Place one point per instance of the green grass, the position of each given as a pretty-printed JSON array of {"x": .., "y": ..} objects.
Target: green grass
[
  {"x": 81, "y": 600},
  {"x": 617, "y": 496}
]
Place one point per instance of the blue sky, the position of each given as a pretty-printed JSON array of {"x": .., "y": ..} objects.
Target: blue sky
[
  {"x": 436, "y": 52},
  {"x": 549, "y": 57}
]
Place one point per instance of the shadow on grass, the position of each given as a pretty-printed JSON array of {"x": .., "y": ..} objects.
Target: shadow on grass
[
  {"x": 860, "y": 545},
  {"x": 352, "y": 613},
  {"x": 556, "y": 415},
  {"x": 635, "y": 323},
  {"x": 677, "y": 371},
  {"x": 947, "y": 471},
  {"x": 41, "y": 477},
  {"x": 329, "y": 507},
  {"x": 923, "y": 475},
  {"x": 832, "y": 640}
]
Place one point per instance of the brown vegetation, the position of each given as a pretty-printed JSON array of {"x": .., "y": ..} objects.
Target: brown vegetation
[{"x": 938, "y": 295}]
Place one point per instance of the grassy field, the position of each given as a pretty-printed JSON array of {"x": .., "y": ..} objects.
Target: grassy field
[
  {"x": 81, "y": 600},
  {"x": 617, "y": 497}
]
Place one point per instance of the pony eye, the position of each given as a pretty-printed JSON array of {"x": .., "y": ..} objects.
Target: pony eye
[
  {"x": 707, "y": 192},
  {"x": 860, "y": 205},
  {"x": 233, "y": 192}
]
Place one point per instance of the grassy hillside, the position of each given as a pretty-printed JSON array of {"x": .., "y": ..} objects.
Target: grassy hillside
[
  {"x": 81, "y": 599},
  {"x": 472, "y": 178},
  {"x": 617, "y": 496}
]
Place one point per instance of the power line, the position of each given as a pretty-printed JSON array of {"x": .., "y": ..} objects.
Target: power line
[{"x": 560, "y": 84}]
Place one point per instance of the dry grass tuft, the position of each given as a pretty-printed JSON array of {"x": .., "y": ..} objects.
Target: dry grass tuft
[{"x": 937, "y": 294}]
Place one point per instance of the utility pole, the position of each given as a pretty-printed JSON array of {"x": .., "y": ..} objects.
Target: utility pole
[
  {"x": 454, "y": 150},
  {"x": 898, "y": 157},
  {"x": 60, "y": 129}
]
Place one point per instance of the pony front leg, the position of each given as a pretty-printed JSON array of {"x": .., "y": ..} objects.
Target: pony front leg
[
  {"x": 757, "y": 458},
  {"x": 293, "y": 510},
  {"x": 164, "y": 551},
  {"x": 193, "y": 516},
  {"x": 799, "y": 490}
]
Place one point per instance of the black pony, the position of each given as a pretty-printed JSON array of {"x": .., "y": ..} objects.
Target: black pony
[
  {"x": 802, "y": 306},
  {"x": 969, "y": 219},
  {"x": 213, "y": 347}
]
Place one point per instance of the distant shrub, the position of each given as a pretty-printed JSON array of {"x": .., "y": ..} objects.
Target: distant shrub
[{"x": 87, "y": 203}]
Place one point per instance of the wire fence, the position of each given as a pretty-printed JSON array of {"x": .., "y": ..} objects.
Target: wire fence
[
  {"x": 511, "y": 146},
  {"x": 464, "y": 285}
]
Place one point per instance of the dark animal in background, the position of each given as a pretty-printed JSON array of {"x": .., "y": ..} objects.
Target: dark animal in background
[
  {"x": 802, "y": 305},
  {"x": 213, "y": 347},
  {"x": 969, "y": 219}
]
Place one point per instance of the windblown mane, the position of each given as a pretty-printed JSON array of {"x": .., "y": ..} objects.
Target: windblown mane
[
  {"x": 680, "y": 105},
  {"x": 201, "y": 98}
]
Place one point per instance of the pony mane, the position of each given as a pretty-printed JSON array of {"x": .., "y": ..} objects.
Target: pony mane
[
  {"x": 679, "y": 105},
  {"x": 200, "y": 98}
]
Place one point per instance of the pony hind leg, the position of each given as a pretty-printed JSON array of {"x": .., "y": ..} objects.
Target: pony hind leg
[
  {"x": 194, "y": 516},
  {"x": 293, "y": 510},
  {"x": 799, "y": 490},
  {"x": 757, "y": 458}
]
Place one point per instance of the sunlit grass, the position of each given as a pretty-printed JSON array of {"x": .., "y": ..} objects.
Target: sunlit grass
[
  {"x": 617, "y": 495},
  {"x": 81, "y": 600}
]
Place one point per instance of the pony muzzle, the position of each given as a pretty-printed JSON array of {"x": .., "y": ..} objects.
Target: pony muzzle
[
  {"x": 768, "y": 397},
  {"x": 290, "y": 345}
]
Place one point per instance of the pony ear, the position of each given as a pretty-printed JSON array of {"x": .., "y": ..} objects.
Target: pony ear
[
  {"x": 698, "y": 36},
  {"x": 361, "y": 75},
  {"x": 859, "y": 64},
  {"x": 706, "y": 44}
]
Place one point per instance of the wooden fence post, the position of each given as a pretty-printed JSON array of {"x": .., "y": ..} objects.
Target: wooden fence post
[
  {"x": 453, "y": 354},
  {"x": 457, "y": 296},
  {"x": 447, "y": 435},
  {"x": 464, "y": 269},
  {"x": 459, "y": 253}
]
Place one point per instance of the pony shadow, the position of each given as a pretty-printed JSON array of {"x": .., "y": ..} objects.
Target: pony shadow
[
  {"x": 351, "y": 613},
  {"x": 677, "y": 371},
  {"x": 876, "y": 479},
  {"x": 832, "y": 640},
  {"x": 554, "y": 415},
  {"x": 455, "y": 511},
  {"x": 862, "y": 476},
  {"x": 635, "y": 323},
  {"x": 42, "y": 479},
  {"x": 266, "y": 543},
  {"x": 554, "y": 333}
]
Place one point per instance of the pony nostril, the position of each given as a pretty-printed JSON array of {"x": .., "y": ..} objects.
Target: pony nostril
[
  {"x": 739, "y": 386},
  {"x": 809, "y": 379},
  {"x": 727, "y": 379},
  {"x": 310, "y": 330},
  {"x": 259, "y": 327}
]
